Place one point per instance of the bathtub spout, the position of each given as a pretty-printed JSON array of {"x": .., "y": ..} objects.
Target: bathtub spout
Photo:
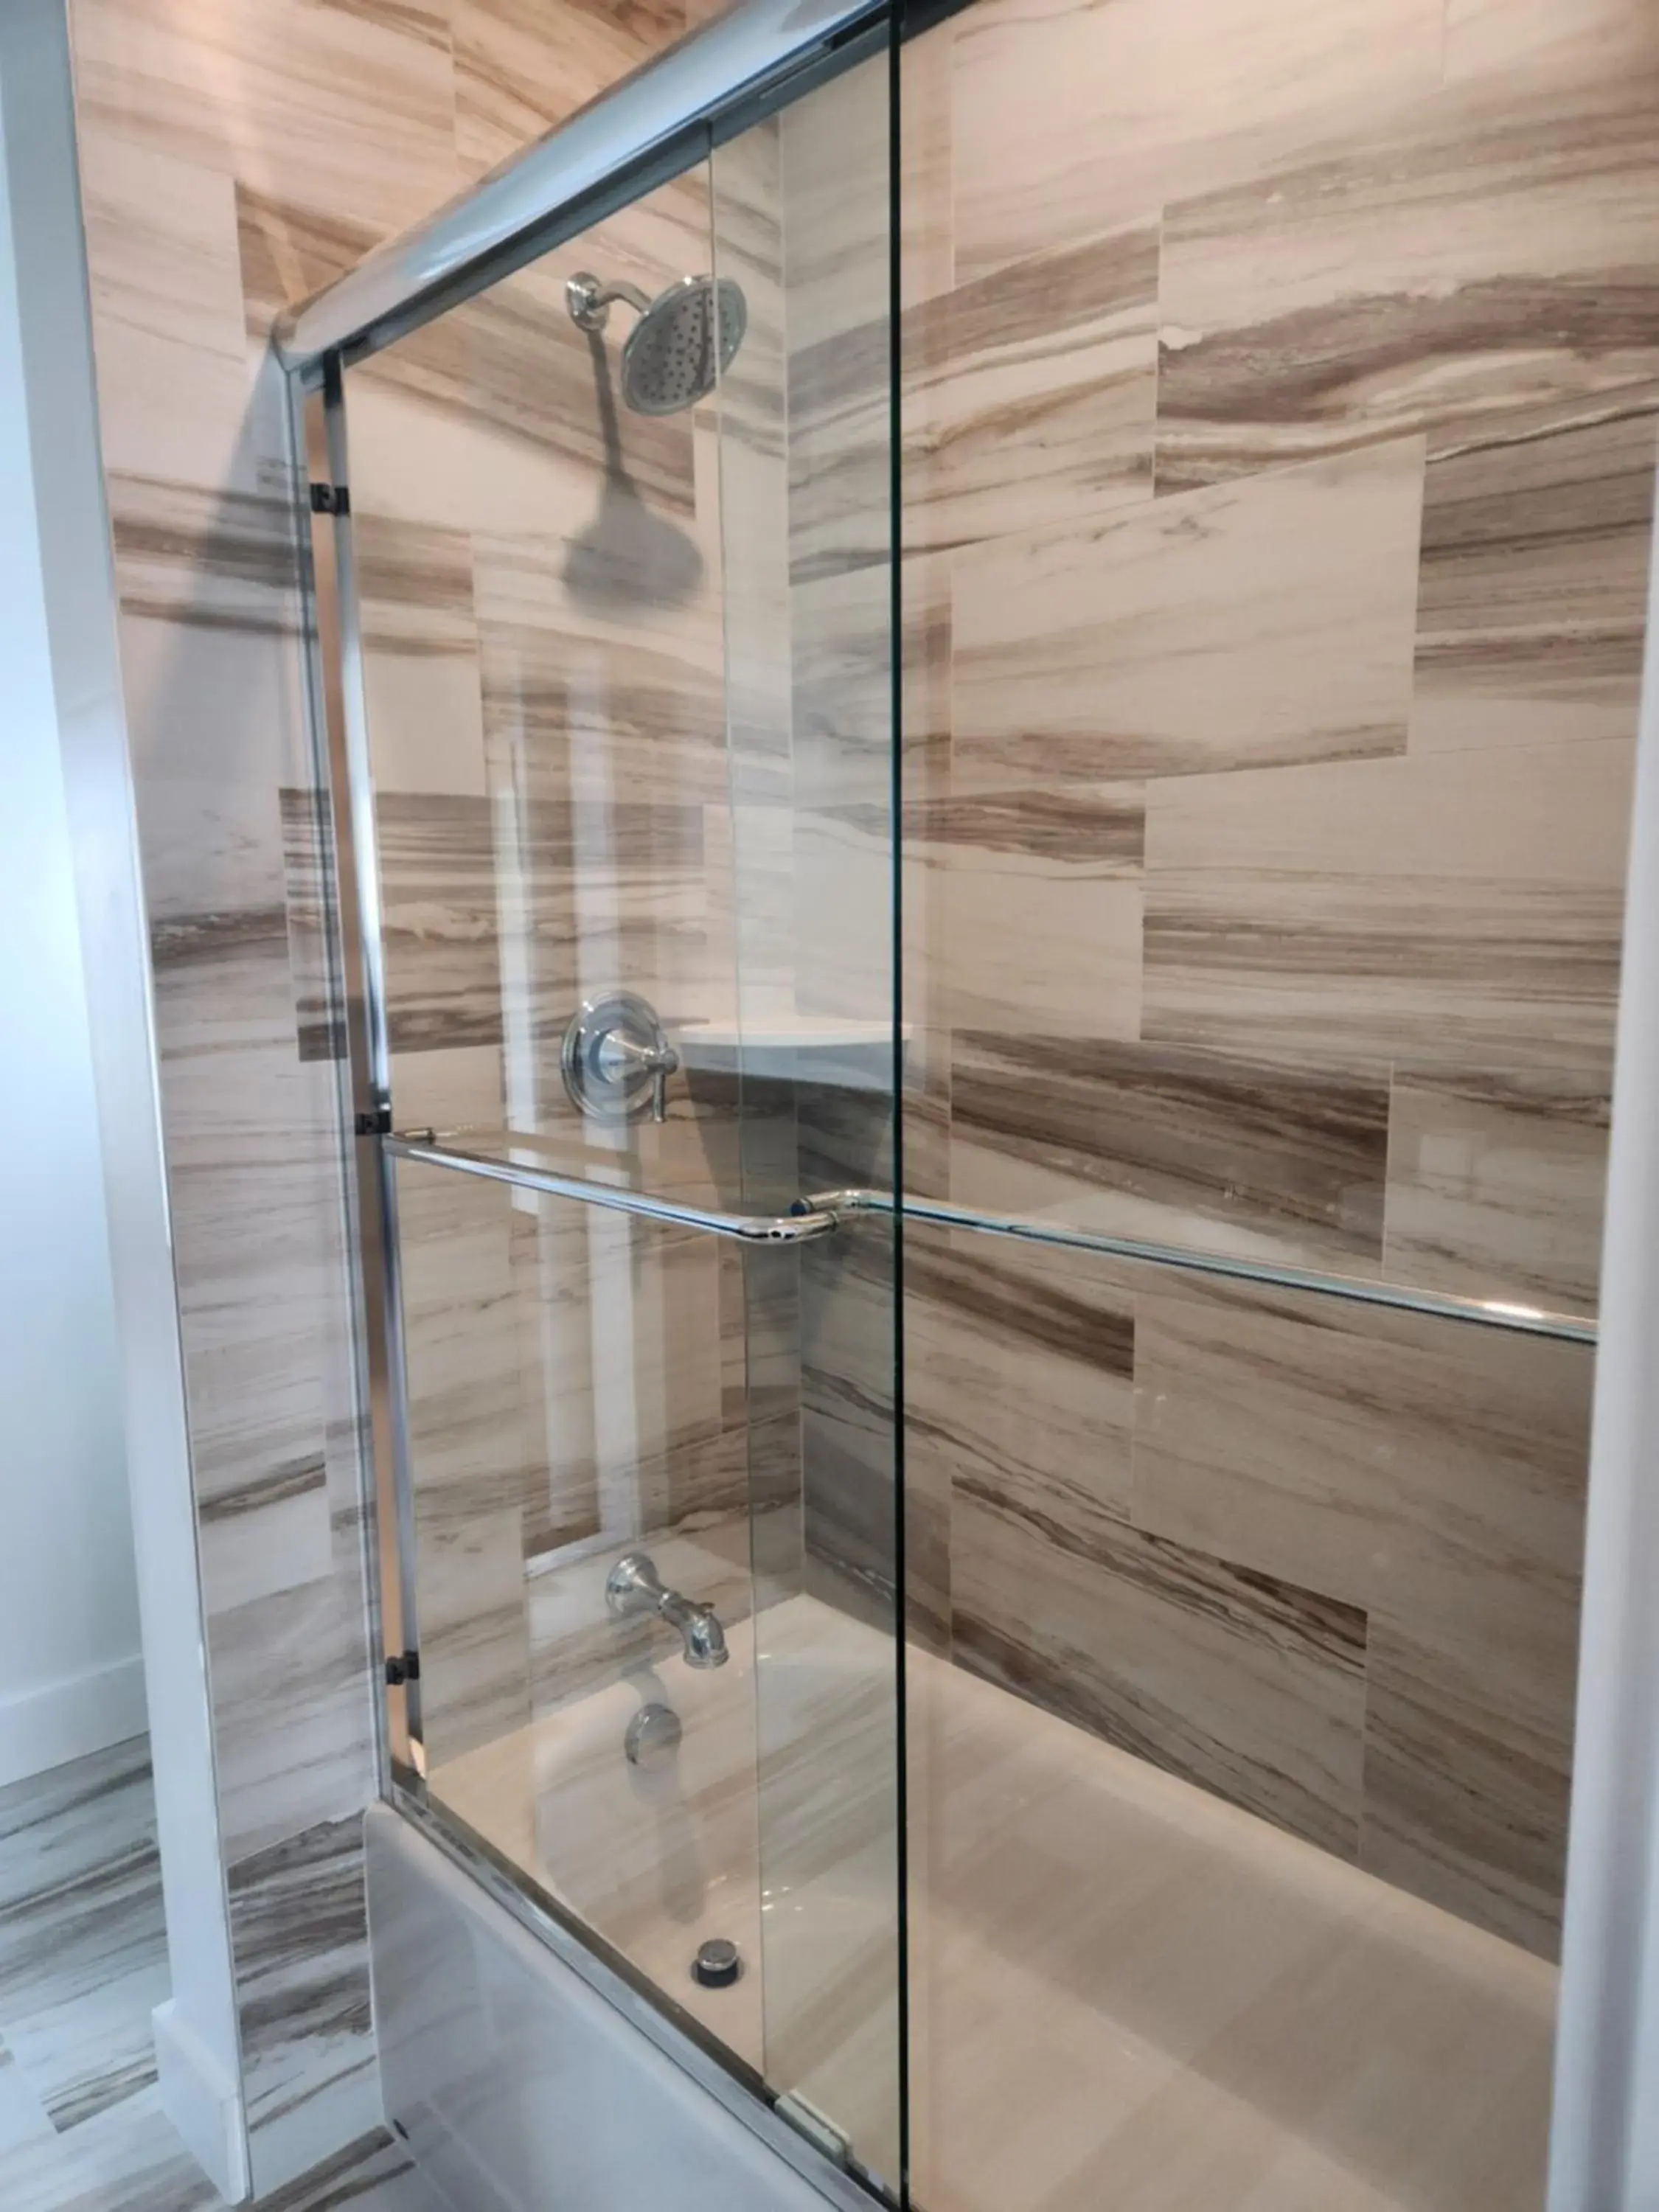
[{"x": 634, "y": 1586}]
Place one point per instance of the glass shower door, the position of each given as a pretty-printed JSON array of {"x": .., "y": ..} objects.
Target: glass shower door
[
  {"x": 1278, "y": 586},
  {"x": 801, "y": 209},
  {"x": 618, "y": 539}
]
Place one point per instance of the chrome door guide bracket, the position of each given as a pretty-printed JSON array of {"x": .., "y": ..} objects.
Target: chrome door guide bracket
[{"x": 819, "y": 2130}]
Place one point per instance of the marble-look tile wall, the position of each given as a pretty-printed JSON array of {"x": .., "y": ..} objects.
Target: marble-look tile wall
[
  {"x": 235, "y": 153},
  {"x": 1281, "y": 397}
]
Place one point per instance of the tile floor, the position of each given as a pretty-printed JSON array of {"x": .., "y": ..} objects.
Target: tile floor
[{"x": 82, "y": 1961}]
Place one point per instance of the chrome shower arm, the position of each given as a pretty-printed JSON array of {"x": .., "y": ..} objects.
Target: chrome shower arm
[{"x": 590, "y": 302}]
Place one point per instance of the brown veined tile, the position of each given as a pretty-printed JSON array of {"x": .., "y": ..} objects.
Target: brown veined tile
[
  {"x": 1188, "y": 1148},
  {"x": 205, "y": 558},
  {"x": 307, "y": 870},
  {"x": 1243, "y": 1684},
  {"x": 1478, "y": 255},
  {"x": 287, "y": 251},
  {"x": 1087, "y": 116},
  {"x": 487, "y": 937},
  {"x": 438, "y": 892},
  {"x": 1434, "y": 1475},
  {"x": 517, "y": 77},
  {"x": 1259, "y": 623},
  {"x": 272, "y": 92},
  {"x": 1532, "y": 601},
  {"x": 1496, "y": 1185},
  {"x": 1459, "y": 909},
  {"x": 1019, "y": 1365},
  {"x": 1029, "y": 394},
  {"x": 1468, "y": 1772}
]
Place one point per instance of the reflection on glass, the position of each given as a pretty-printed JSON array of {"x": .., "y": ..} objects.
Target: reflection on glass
[{"x": 621, "y": 528}]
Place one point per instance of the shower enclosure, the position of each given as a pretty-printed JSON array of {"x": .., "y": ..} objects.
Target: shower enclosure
[{"x": 977, "y": 675}]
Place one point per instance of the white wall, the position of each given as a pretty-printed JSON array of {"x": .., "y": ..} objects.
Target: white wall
[
  {"x": 1604, "y": 2149},
  {"x": 70, "y": 1676},
  {"x": 196, "y": 2044}
]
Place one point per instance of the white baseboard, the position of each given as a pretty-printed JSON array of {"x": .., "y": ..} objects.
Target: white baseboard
[
  {"x": 47, "y": 1728},
  {"x": 203, "y": 2102}
]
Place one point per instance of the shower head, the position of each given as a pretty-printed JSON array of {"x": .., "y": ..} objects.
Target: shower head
[{"x": 685, "y": 338}]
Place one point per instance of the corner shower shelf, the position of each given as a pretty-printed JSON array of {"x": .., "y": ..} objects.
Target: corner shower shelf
[{"x": 842, "y": 1055}]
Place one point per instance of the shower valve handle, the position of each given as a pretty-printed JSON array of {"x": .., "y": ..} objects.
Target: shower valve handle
[
  {"x": 620, "y": 1056},
  {"x": 616, "y": 1058}
]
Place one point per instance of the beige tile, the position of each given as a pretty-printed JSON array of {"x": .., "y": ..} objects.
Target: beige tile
[
  {"x": 212, "y": 840},
  {"x": 1532, "y": 601},
  {"x": 552, "y": 1323},
  {"x": 600, "y": 698},
  {"x": 837, "y": 207},
  {"x": 1074, "y": 120},
  {"x": 1496, "y": 1186},
  {"x": 836, "y": 214},
  {"x": 249, "y": 1142},
  {"x": 843, "y": 882},
  {"x": 927, "y": 132},
  {"x": 271, "y": 90},
  {"x": 1466, "y": 1792},
  {"x": 1430, "y": 1474},
  {"x": 1029, "y": 394},
  {"x": 1588, "y": 37},
  {"x": 1436, "y": 1477},
  {"x": 1268, "y": 621},
  {"x": 849, "y": 1420},
  {"x": 176, "y": 371},
  {"x": 460, "y": 1087},
  {"x": 421, "y": 687},
  {"x": 1443, "y": 271},
  {"x": 1461, "y": 908},
  {"x": 475, "y": 1645},
  {"x": 841, "y": 656},
  {"x": 742, "y": 461},
  {"x": 1040, "y": 913}
]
